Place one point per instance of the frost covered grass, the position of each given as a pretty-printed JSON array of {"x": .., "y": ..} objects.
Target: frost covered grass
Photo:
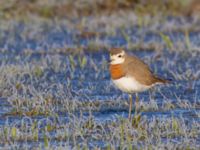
[
  {"x": 67, "y": 101},
  {"x": 55, "y": 89},
  {"x": 80, "y": 132}
]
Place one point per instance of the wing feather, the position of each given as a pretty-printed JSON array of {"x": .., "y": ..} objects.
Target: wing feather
[{"x": 140, "y": 70}]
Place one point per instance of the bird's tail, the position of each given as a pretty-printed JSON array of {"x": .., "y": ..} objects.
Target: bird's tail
[{"x": 160, "y": 80}]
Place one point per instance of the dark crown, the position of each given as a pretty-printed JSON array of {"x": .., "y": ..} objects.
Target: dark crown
[{"x": 114, "y": 51}]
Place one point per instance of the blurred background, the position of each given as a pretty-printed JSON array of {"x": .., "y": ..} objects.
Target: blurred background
[{"x": 80, "y": 8}]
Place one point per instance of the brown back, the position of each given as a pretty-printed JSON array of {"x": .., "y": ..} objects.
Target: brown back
[{"x": 133, "y": 66}]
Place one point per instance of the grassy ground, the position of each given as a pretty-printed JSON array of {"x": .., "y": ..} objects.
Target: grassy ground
[
  {"x": 55, "y": 89},
  {"x": 63, "y": 101}
]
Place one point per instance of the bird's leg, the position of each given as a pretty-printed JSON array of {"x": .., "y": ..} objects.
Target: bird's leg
[
  {"x": 151, "y": 90},
  {"x": 130, "y": 107},
  {"x": 136, "y": 103}
]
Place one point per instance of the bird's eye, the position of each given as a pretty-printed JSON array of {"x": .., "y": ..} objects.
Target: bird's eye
[{"x": 119, "y": 56}]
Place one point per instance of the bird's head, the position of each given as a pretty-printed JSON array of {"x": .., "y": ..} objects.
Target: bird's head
[{"x": 117, "y": 56}]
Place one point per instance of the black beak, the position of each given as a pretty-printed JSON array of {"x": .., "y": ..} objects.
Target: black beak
[{"x": 111, "y": 60}]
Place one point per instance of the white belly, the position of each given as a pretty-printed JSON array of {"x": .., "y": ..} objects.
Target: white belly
[{"x": 130, "y": 85}]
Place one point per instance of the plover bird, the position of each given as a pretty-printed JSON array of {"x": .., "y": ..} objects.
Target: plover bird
[{"x": 131, "y": 75}]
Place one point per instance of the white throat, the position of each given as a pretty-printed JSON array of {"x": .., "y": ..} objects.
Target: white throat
[{"x": 118, "y": 61}]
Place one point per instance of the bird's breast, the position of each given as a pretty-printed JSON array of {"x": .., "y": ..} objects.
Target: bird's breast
[
  {"x": 116, "y": 71},
  {"x": 130, "y": 85}
]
